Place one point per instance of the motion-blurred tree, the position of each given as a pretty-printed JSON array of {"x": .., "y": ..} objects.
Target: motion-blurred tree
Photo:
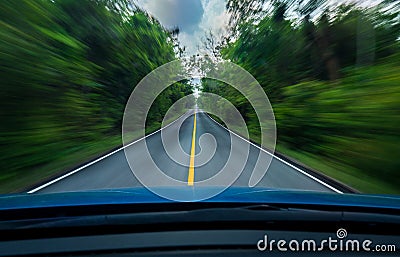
[
  {"x": 319, "y": 65},
  {"x": 68, "y": 68}
]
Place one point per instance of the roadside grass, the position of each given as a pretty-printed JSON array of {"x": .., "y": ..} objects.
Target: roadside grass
[
  {"x": 67, "y": 160},
  {"x": 343, "y": 173}
]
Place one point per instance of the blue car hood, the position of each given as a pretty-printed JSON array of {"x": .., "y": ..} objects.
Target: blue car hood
[{"x": 231, "y": 195}]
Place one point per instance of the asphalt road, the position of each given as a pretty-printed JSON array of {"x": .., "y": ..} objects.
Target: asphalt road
[{"x": 113, "y": 170}]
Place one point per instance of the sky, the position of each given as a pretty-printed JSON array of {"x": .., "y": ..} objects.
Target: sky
[
  {"x": 196, "y": 17},
  {"x": 193, "y": 17}
]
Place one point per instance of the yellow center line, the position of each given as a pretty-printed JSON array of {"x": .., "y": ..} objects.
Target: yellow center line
[{"x": 192, "y": 153}]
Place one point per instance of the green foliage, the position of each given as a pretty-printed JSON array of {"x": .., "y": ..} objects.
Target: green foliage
[
  {"x": 354, "y": 122},
  {"x": 333, "y": 83},
  {"x": 68, "y": 68}
]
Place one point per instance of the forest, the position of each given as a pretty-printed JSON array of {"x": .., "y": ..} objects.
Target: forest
[
  {"x": 330, "y": 70},
  {"x": 332, "y": 77},
  {"x": 68, "y": 68}
]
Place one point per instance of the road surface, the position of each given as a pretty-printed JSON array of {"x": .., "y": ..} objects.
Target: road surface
[{"x": 112, "y": 171}]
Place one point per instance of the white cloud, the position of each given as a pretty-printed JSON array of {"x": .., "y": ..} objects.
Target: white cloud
[
  {"x": 183, "y": 13},
  {"x": 214, "y": 19},
  {"x": 215, "y": 16},
  {"x": 193, "y": 17}
]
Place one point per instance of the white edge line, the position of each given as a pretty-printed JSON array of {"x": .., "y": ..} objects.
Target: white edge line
[
  {"x": 99, "y": 159},
  {"x": 285, "y": 162}
]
